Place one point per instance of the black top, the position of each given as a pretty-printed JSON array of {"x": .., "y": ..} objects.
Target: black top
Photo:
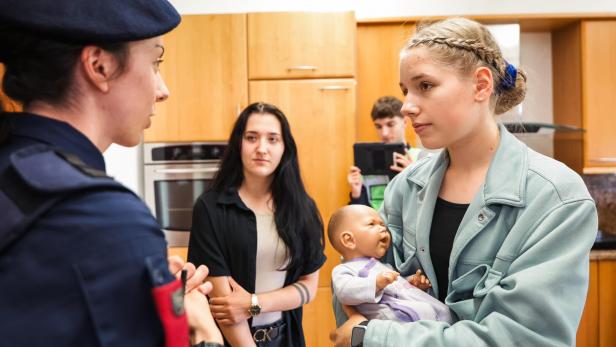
[
  {"x": 445, "y": 222},
  {"x": 224, "y": 238}
]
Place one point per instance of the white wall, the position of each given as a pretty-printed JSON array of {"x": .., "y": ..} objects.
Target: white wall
[
  {"x": 401, "y": 8},
  {"x": 366, "y": 9},
  {"x": 126, "y": 165},
  {"x": 536, "y": 60}
]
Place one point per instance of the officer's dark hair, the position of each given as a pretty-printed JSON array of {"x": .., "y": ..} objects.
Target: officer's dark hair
[
  {"x": 386, "y": 107},
  {"x": 41, "y": 69},
  {"x": 297, "y": 218}
]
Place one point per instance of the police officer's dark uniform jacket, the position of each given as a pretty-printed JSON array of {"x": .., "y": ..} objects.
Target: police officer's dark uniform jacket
[
  {"x": 78, "y": 274},
  {"x": 79, "y": 253}
]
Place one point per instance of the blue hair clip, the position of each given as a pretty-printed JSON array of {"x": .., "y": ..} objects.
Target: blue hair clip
[{"x": 508, "y": 81}]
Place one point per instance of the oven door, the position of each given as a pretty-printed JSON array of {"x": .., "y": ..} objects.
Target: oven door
[{"x": 171, "y": 191}]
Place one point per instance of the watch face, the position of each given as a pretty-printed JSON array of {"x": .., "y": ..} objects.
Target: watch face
[{"x": 255, "y": 310}]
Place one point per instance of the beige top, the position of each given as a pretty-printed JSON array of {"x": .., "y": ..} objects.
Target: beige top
[{"x": 271, "y": 256}]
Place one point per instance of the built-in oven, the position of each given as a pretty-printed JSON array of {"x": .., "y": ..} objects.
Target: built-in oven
[{"x": 175, "y": 175}]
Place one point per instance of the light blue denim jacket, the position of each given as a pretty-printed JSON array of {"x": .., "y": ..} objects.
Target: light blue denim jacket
[{"x": 518, "y": 271}]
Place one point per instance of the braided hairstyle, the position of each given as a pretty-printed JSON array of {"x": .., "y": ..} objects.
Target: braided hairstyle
[{"x": 465, "y": 45}]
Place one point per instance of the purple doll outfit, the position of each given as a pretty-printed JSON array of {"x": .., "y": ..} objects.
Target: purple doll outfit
[{"x": 354, "y": 284}]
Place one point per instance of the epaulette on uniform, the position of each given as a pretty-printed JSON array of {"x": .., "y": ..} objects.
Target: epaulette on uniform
[{"x": 38, "y": 178}]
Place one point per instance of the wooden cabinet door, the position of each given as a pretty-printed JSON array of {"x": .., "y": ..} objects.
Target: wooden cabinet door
[
  {"x": 322, "y": 118},
  {"x": 318, "y": 319},
  {"x": 588, "y": 330},
  {"x": 301, "y": 45},
  {"x": 205, "y": 71},
  {"x": 607, "y": 299},
  {"x": 6, "y": 103},
  {"x": 598, "y": 93},
  {"x": 378, "y": 72}
]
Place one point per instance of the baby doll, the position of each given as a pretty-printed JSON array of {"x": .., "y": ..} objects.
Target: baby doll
[{"x": 358, "y": 233}]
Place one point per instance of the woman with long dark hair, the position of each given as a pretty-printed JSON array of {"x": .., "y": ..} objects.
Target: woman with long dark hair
[{"x": 259, "y": 233}]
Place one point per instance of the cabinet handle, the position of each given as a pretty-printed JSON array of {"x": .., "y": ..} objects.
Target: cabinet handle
[
  {"x": 187, "y": 170},
  {"x": 334, "y": 88},
  {"x": 238, "y": 110},
  {"x": 302, "y": 67},
  {"x": 604, "y": 160}
]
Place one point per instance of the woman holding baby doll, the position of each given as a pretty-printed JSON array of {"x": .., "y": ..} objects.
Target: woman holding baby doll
[
  {"x": 496, "y": 227},
  {"x": 260, "y": 234}
]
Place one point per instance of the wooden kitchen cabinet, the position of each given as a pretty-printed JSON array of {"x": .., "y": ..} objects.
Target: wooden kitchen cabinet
[
  {"x": 205, "y": 71},
  {"x": 598, "y": 93},
  {"x": 181, "y": 252},
  {"x": 378, "y": 72},
  {"x": 301, "y": 45},
  {"x": 596, "y": 327},
  {"x": 584, "y": 76},
  {"x": 607, "y": 303},
  {"x": 318, "y": 319},
  {"x": 6, "y": 103},
  {"x": 321, "y": 114},
  {"x": 588, "y": 330}
]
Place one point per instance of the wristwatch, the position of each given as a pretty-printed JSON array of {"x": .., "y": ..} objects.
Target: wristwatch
[
  {"x": 255, "y": 308},
  {"x": 357, "y": 335}
]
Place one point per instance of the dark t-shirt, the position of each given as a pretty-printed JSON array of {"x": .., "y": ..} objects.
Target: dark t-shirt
[
  {"x": 445, "y": 222},
  {"x": 224, "y": 238}
]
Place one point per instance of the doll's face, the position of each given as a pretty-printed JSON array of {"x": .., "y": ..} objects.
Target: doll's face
[{"x": 372, "y": 238}]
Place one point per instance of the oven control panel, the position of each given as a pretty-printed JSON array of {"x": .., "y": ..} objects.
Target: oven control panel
[{"x": 183, "y": 152}]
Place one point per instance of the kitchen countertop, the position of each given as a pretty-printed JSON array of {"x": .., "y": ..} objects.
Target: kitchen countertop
[
  {"x": 604, "y": 247},
  {"x": 603, "y": 254}
]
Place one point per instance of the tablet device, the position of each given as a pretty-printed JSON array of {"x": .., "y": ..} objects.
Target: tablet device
[{"x": 375, "y": 158}]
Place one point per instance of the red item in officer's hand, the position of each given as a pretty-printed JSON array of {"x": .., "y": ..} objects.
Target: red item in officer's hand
[{"x": 169, "y": 302}]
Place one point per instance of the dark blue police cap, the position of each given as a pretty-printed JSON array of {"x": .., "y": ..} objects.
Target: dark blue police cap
[{"x": 90, "y": 21}]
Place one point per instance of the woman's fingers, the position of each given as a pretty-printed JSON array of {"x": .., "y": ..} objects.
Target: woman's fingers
[
  {"x": 219, "y": 314},
  {"x": 198, "y": 276},
  {"x": 219, "y": 301},
  {"x": 175, "y": 264},
  {"x": 205, "y": 288},
  {"x": 225, "y": 322}
]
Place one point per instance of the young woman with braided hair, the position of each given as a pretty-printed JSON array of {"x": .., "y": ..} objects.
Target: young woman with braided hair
[{"x": 502, "y": 232}]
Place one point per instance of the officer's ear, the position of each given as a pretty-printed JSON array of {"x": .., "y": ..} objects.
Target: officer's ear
[
  {"x": 347, "y": 239},
  {"x": 98, "y": 67}
]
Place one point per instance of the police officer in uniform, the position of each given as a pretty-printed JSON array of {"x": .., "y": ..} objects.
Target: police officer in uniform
[{"x": 82, "y": 260}]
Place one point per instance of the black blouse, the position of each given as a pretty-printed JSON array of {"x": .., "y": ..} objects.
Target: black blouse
[
  {"x": 445, "y": 222},
  {"x": 224, "y": 238}
]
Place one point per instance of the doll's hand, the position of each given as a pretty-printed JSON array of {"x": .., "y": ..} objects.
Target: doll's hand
[
  {"x": 419, "y": 280},
  {"x": 385, "y": 278}
]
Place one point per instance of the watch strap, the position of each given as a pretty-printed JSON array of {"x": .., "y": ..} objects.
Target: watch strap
[{"x": 358, "y": 333}]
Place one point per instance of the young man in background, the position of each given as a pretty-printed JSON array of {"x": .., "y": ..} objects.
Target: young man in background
[{"x": 390, "y": 125}]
